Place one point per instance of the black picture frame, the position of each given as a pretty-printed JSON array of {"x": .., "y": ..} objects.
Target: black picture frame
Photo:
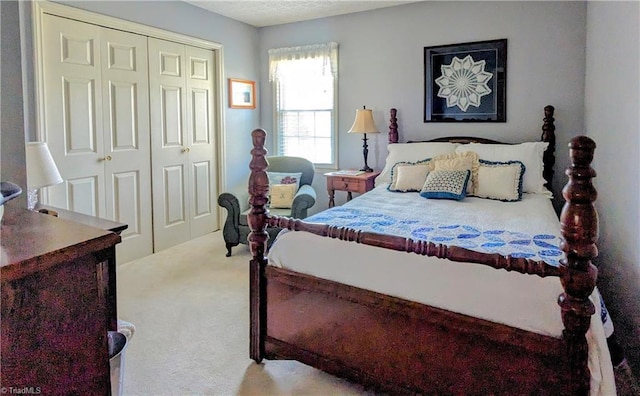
[{"x": 463, "y": 91}]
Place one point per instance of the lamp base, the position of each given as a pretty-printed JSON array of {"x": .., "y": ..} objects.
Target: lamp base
[
  {"x": 365, "y": 153},
  {"x": 32, "y": 199}
]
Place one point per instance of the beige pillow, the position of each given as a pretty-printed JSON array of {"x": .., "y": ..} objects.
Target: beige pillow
[
  {"x": 408, "y": 177},
  {"x": 459, "y": 161},
  {"x": 531, "y": 154},
  {"x": 501, "y": 181},
  {"x": 282, "y": 195}
]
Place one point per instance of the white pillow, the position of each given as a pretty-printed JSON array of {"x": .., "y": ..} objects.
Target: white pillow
[
  {"x": 284, "y": 178},
  {"x": 501, "y": 181},
  {"x": 412, "y": 152},
  {"x": 529, "y": 153}
]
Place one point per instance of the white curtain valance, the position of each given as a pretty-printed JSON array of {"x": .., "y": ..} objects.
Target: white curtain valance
[{"x": 327, "y": 51}]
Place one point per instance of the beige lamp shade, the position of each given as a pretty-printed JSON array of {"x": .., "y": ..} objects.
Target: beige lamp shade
[
  {"x": 41, "y": 169},
  {"x": 364, "y": 122}
]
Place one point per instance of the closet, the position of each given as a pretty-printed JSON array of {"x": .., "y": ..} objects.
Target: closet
[{"x": 129, "y": 120}]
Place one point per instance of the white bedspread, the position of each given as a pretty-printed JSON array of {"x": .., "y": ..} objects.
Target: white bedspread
[{"x": 523, "y": 301}]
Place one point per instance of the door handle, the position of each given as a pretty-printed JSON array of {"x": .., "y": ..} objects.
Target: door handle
[
  {"x": 186, "y": 149},
  {"x": 107, "y": 158}
]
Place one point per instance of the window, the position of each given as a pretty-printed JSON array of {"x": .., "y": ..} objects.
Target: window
[{"x": 304, "y": 82}]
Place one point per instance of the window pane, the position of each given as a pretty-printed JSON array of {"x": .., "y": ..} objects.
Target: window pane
[
  {"x": 323, "y": 124},
  {"x": 317, "y": 150},
  {"x": 306, "y": 93}
]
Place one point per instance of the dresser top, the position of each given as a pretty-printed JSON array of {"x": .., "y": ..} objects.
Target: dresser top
[{"x": 31, "y": 242}]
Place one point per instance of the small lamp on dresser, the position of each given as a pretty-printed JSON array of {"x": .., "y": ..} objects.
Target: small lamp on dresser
[
  {"x": 41, "y": 171},
  {"x": 364, "y": 124}
]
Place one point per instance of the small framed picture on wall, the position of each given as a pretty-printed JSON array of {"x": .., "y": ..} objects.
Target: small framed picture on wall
[
  {"x": 466, "y": 82},
  {"x": 242, "y": 94}
]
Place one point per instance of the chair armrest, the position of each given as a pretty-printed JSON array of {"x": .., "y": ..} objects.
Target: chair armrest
[
  {"x": 231, "y": 225},
  {"x": 303, "y": 200}
]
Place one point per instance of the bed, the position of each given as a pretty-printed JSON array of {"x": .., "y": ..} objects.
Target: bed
[{"x": 476, "y": 330}]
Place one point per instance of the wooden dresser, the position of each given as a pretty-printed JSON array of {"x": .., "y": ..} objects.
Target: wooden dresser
[{"x": 58, "y": 302}]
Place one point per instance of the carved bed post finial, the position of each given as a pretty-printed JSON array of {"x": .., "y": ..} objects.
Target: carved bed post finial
[
  {"x": 579, "y": 227},
  {"x": 257, "y": 219},
  {"x": 549, "y": 135},
  {"x": 393, "y": 127}
]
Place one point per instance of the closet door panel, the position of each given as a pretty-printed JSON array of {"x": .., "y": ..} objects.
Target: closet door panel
[
  {"x": 79, "y": 118},
  {"x": 202, "y": 205},
  {"x": 82, "y": 194},
  {"x": 73, "y": 113},
  {"x": 171, "y": 109},
  {"x": 124, "y": 131},
  {"x": 126, "y": 139},
  {"x": 200, "y": 87},
  {"x": 126, "y": 194},
  {"x": 169, "y": 149},
  {"x": 175, "y": 210}
]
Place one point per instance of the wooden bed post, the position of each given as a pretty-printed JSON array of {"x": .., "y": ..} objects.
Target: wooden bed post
[
  {"x": 579, "y": 227},
  {"x": 393, "y": 126},
  {"x": 549, "y": 135},
  {"x": 258, "y": 198}
]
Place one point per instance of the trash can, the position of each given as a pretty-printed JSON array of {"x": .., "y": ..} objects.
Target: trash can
[{"x": 117, "y": 346}]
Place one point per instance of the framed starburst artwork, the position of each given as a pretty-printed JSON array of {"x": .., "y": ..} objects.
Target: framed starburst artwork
[{"x": 466, "y": 82}]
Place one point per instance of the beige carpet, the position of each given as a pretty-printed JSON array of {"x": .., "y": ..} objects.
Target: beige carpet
[{"x": 190, "y": 308}]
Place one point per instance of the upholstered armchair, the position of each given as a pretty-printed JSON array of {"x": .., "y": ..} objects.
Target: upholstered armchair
[{"x": 236, "y": 229}]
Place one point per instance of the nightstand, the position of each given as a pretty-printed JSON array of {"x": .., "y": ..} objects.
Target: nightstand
[{"x": 359, "y": 184}]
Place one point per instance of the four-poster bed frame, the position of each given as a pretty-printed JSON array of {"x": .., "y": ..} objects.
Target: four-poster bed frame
[{"x": 407, "y": 347}]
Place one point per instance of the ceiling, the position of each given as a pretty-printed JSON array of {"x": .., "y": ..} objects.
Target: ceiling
[{"x": 262, "y": 13}]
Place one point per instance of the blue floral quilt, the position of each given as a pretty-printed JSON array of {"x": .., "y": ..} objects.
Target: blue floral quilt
[{"x": 401, "y": 218}]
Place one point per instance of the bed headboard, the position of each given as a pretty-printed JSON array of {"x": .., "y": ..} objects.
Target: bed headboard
[{"x": 548, "y": 135}]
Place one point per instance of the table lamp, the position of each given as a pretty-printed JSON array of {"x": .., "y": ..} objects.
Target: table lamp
[
  {"x": 41, "y": 171},
  {"x": 364, "y": 124}
]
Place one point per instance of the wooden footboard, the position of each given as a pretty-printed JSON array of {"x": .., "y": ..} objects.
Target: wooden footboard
[{"x": 402, "y": 346}]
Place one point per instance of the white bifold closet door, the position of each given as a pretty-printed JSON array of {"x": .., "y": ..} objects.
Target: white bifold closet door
[
  {"x": 96, "y": 107},
  {"x": 182, "y": 142},
  {"x": 130, "y": 123}
]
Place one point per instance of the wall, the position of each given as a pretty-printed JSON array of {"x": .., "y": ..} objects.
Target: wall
[
  {"x": 12, "y": 155},
  {"x": 612, "y": 118},
  {"x": 239, "y": 40},
  {"x": 381, "y": 66}
]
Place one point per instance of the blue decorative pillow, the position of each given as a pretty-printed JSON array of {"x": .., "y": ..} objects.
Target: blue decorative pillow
[{"x": 446, "y": 184}]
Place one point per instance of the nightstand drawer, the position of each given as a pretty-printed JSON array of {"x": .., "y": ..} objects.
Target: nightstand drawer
[
  {"x": 347, "y": 184},
  {"x": 360, "y": 183}
]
